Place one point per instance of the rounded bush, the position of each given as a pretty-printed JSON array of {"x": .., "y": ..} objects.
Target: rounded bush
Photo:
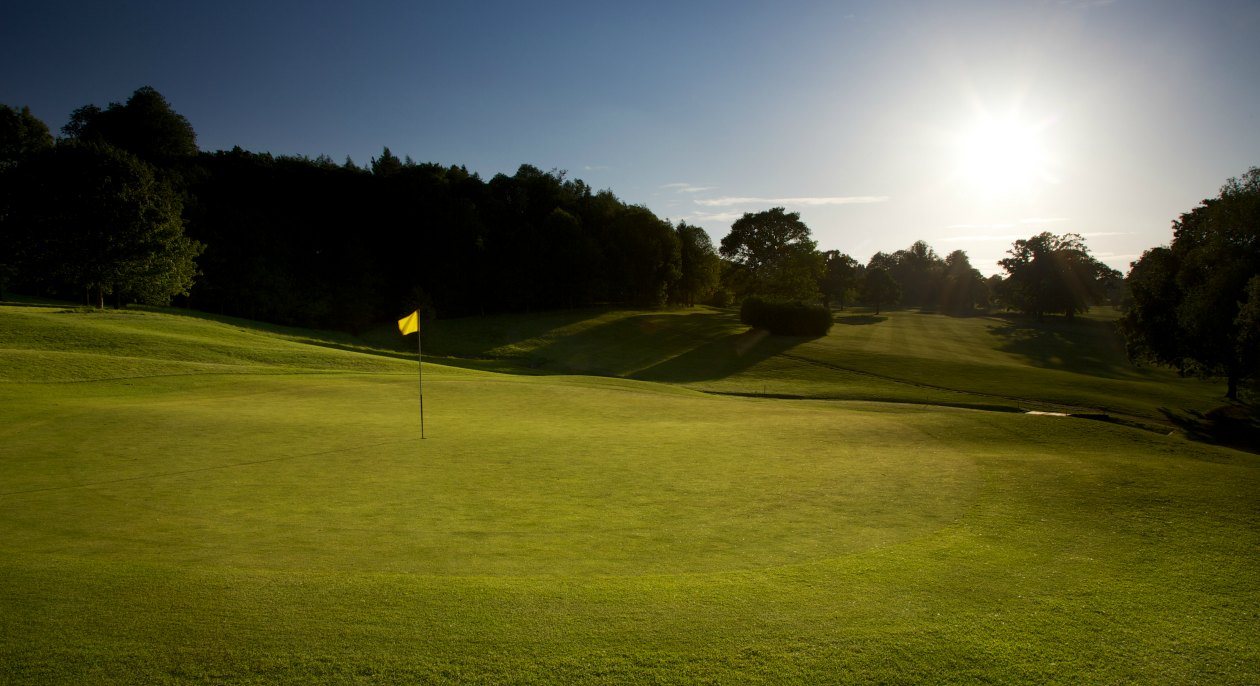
[{"x": 785, "y": 318}]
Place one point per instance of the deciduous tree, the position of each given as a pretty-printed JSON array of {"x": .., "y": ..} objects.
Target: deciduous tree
[
  {"x": 777, "y": 256},
  {"x": 839, "y": 277},
  {"x": 22, "y": 135},
  {"x": 1194, "y": 303},
  {"x": 699, "y": 265},
  {"x": 146, "y": 126},
  {"x": 1051, "y": 274},
  {"x": 879, "y": 288},
  {"x": 94, "y": 217}
]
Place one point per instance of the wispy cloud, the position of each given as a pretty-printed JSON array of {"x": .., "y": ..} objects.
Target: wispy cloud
[
  {"x": 976, "y": 238},
  {"x": 1044, "y": 220},
  {"x": 596, "y": 167},
  {"x": 687, "y": 188},
  {"x": 811, "y": 201},
  {"x": 702, "y": 217},
  {"x": 1096, "y": 234}
]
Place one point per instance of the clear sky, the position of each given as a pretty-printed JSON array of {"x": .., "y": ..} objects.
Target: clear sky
[{"x": 965, "y": 124}]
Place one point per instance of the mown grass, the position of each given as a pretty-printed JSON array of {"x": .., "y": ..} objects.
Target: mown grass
[
  {"x": 262, "y": 511},
  {"x": 903, "y": 356}
]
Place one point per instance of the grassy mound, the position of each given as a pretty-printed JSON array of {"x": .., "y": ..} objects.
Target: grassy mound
[
  {"x": 261, "y": 510},
  {"x": 998, "y": 361}
]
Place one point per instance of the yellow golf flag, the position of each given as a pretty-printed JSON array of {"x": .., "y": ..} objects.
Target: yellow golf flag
[{"x": 410, "y": 323}]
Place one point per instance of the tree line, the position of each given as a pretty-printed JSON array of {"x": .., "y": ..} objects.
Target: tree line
[{"x": 123, "y": 207}]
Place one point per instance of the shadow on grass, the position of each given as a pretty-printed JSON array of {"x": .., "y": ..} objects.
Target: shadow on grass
[
  {"x": 1235, "y": 426},
  {"x": 1085, "y": 346},
  {"x": 859, "y": 319},
  {"x": 478, "y": 336},
  {"x": 626, "y": 345},
  {"x": 720, "y": 358}
]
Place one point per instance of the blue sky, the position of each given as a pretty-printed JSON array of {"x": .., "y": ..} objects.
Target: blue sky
[{"x": 965, "y": 124}]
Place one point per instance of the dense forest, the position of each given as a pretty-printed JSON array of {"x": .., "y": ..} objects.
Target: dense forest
[
  {"x": 299, "y": 240},
  {"x": 123, "y": 207},
  {"x": 296, "y": 240}
]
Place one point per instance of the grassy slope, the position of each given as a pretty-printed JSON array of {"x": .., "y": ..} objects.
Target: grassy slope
[
  {"x": 898, "y": 356},
  {"x": 194, "y": 501}
]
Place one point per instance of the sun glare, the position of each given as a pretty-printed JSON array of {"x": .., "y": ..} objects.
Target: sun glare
[{"x": 1003, "y": 156}]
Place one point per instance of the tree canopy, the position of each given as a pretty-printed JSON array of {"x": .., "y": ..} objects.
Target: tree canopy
[
  {"x": 839, "y": 279},
  {"x": 93, "y": 218},
  {"x": 145, "y": 126},
  {"x": 1193, "y": 303},
  {"x": 1051, "y": 274},
  {"x": 22, "y": 135},
  {"x": 879, "y": 288},
  {"x": 775, "y": 255},
  {"x": 699, "y": 265}
]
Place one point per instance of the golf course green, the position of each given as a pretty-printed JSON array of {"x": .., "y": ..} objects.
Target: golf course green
[{"x": 613, "y": 497}]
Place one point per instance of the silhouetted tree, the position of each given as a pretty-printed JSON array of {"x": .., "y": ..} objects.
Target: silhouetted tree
[
  {"x": 1054, "y": 274},
  {"x": 1193, "y": 304},
  {"x": 879, "y": 288},
  {"x": 146, "y": 126},
  {"x": 698, "y": 265},
  {"x": 644, "y": 257},
  {"x": 962, "y": 288},
  {"x": 22, "y": 135},
  {"x": 94, "y": 218},
  {"x": 839, "y": 278},
  {"x": 918, "y": 270},
  {"x": 387, "y": 164},
  {"x": 776, "y": 255}
]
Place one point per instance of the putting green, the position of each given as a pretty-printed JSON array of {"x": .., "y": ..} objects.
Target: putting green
[
  {"x": 518, "y": 476},
  {"x": 190, "y": 501}
]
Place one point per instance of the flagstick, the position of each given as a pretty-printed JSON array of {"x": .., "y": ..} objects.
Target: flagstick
[{"x": 420, "y": 361}]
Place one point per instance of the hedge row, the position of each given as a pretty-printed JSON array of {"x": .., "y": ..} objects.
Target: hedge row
[{"x": 785, "y": 318}]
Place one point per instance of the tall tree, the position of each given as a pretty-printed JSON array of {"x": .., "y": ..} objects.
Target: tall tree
[
  {"x": 387, "y": 164},
  {"x": 698, "y": 265},
  {"x": 880, "y": 288},
  {"x": 919, "y": 271},
  {"x": 22, "y": 135},
  {"x": 839, "y": 277},
  {"x": 94, "y": 218},
  {"x": 774, "y": 250},
  {"x": 146, "y": 126},
  {"x": 963, "y": 288},
  {"x": 1193, "y": 304},
  {"x": 1051, "y": 274}
]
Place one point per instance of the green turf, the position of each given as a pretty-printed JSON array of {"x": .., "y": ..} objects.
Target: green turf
[
  {"x": 901, "y": 356},
  {"x": 186, "y": 500}
]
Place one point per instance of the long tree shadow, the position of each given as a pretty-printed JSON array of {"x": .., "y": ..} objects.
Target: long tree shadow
[
  {"x": 1235, "y": 426},
  {"x": 1086, "y": 346},
  {"x": 720, "y": 358},
  {"x": 628, "y": 345}
]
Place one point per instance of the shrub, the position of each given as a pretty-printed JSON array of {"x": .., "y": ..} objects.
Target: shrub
[{"x": 785, "y": 318}]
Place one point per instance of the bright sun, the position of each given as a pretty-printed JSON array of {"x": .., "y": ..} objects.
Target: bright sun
[{"x": 1004, "y": 156}]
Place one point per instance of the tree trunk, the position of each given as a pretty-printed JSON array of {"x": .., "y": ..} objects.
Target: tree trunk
[
  {"x": 1231, "y": 388},
  {"x": 100, "y": 297}
]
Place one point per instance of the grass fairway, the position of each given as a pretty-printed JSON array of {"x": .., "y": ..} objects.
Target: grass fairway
[
  {"x": 981, "y": 361},
  {"x": 183, "y": 500}
]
